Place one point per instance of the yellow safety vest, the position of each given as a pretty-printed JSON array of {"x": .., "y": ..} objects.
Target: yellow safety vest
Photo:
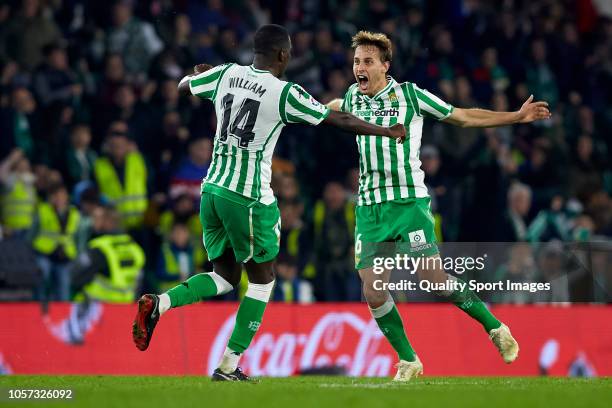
[
  {"x": 125, "y": 259},
  {"x": 129, "y": 199},
  {"x": 50, "y": 234},
  {"x": 172, "y": 268},
  {"x": 18, "y": 206}
]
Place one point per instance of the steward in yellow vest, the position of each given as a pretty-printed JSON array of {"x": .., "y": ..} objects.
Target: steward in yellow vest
[
  {"x": 54, "y": 239},
  {"x": 18, "y": 194},
  {"x": 110, "y": 270},
  {"x": 56, "y": 227},
  {"x": 122, "y": 178},
  {"x": 18, "y": 206}
]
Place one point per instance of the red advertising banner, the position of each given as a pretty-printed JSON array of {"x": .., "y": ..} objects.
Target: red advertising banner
[{"x": 293, "y": 338}]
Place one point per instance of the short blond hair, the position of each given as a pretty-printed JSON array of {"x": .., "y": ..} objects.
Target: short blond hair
[{"x": 378, "y": 40}]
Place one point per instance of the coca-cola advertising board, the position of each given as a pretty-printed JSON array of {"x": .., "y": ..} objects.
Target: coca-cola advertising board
[{"x": 555, "y": 340}]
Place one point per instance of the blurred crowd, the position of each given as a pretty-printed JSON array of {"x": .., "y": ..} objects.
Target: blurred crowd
[{"x": 90, "y": 117}]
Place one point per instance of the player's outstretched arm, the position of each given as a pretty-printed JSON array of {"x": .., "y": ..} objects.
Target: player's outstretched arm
[
  {"x": 351, "y": 123},
  {"x": 529, "y": 112},
  {"x": 183, "y": 86}
]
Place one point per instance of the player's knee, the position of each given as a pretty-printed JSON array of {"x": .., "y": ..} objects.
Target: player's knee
[
  {"x": 234, "y": 281},
  {"x": 223, "y": 284},
  {"x": 260, "y": 274}
]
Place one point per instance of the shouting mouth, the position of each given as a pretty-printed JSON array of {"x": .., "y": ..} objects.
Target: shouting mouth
[{"x": 363, "y": 82}]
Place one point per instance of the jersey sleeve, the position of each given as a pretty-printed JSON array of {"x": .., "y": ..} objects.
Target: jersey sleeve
[
  {"x": 346, "y": 102},
  {"x": 430, "y": 104},
  {"x": 205, "y": 84},
  {"x": 297, "y": 106}
]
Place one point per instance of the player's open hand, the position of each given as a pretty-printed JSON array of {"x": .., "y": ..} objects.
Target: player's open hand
[
  {"x": 198, "y": 69},
  {"x": 398, "y": 132},
  {"x": 532, "y": 111}
]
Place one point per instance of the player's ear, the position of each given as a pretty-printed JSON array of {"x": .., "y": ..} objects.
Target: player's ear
[
  {"x": 283, "y": 55},
  {"x": 387, "y": 65}
]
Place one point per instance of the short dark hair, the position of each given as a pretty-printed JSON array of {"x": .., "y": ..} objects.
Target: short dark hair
[
  {"x": 270, "y": 38},
  {"x": 378, "y": 40}
]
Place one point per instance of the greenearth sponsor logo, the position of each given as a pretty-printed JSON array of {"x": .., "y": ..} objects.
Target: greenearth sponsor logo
[{"x": 381, "y": 113}]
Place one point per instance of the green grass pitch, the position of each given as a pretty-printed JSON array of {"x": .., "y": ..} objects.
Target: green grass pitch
[{"x": 295, "y": 392}]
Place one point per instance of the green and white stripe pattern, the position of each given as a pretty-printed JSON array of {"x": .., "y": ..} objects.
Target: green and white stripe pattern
[
  {"x": 248, "y": 170},
  {"x": 390, "y": 171}
]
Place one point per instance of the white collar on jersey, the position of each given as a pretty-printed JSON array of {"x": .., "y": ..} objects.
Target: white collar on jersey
[
  {"x": 390, "y": 83},
  {"x": 259, "y": 71}
]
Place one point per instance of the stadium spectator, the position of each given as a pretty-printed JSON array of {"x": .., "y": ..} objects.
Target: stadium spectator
[
  {"x": 80, "y": 157},
  {"x": 54, "y": 81},
  {"x": 540, "y": 173},
  {"x": 175, "y": 262},
  {"x": 188, "y": 176},
  {"x": 513, "y": 226},
  {"x": 287, "y": 188},
  {"x": 113, "y": 77},
  {"x": 183, "y": 42},
  {"x": 541, "y": 79},
  {"x": 18, "y": 124},
  {"x": 134, "y": 39},
  {"x": 184, "y": 211},
  {"x": 128, "y": 108},
  {"x": 600, "y": 210},
  {"x": 54, "y": 236},
  {"x": 87, "y": 199},
  {"x": 333, "y": 225},
  {"x": 27, "y": 33},
  {"x": 489, "y": 77},
  {"x": 289, "y": 287},
  {"x": 18, "y": 194},
  {"x": 121, "y": 176},
  {"x": 440, "y": 188},
  {"x": 296, "y": 237},
  {"x": 586, "y": 170}
]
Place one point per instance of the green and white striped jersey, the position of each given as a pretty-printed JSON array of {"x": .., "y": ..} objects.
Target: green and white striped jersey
[
  {"x": 387, "y": 170},
  {"x": 252, "y": 106}
]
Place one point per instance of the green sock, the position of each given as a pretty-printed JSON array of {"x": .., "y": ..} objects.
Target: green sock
[
  {"x": 249, "y": 316},
  {"x": 390, "y": 322},
  {"x": 471, "y": 304},
  {"x": 193, "y": 290}
]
